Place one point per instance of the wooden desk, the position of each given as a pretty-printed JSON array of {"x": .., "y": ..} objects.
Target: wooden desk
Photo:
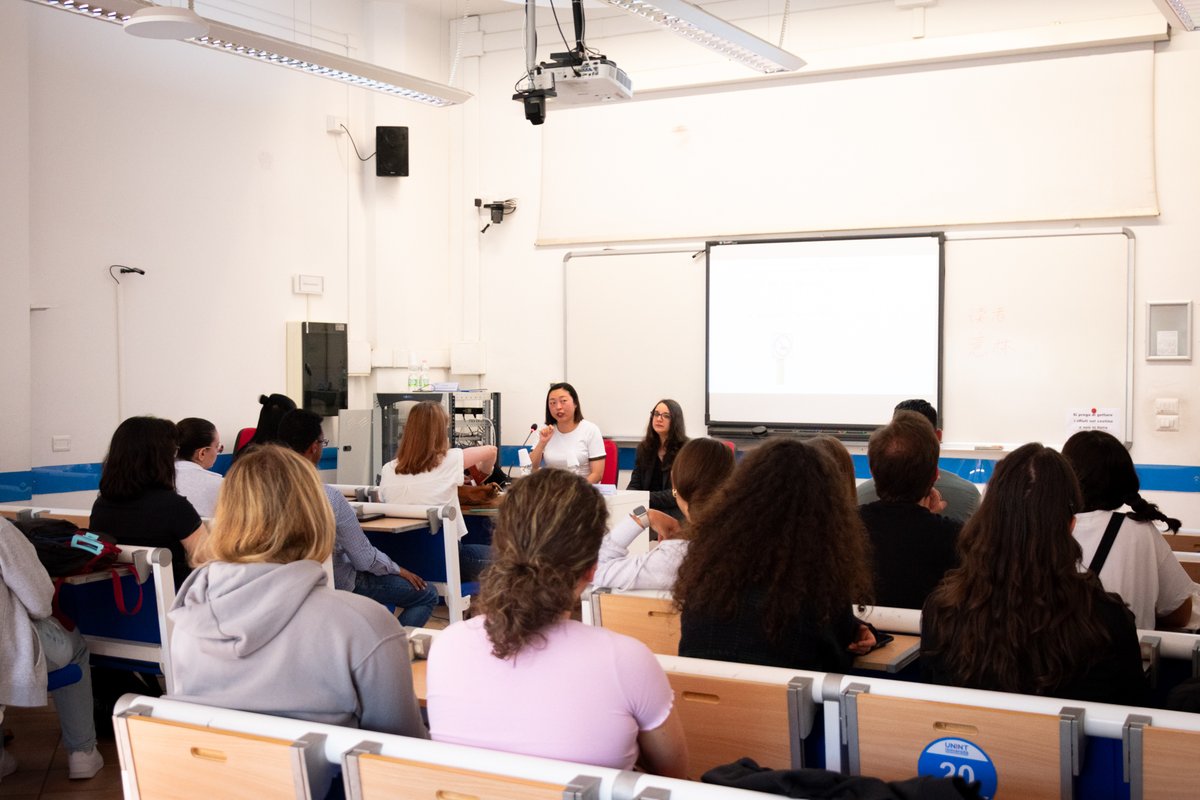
[
  {"x": 893, "y": 656},
  {"x": 395, "y": 524},
  {"x": 418, "y": 673}
]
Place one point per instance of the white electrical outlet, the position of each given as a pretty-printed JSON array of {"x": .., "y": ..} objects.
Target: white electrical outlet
[
  {"x": 1167, "y": 422},
  {"x": 1166, "y": 405},
  {"x": 334, "y": 125},
  {"x": 60, "y": 444}
]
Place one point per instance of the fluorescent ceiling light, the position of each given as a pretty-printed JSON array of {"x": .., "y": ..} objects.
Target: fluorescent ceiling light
[
  {"x": 166, "y": 22},
  {"x": 1180, "y": 13},
  {"x": 703, "y": 28},
  {"x": 242, "y": 42}
]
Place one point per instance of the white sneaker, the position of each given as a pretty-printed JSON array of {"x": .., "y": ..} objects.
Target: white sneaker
[
  {"x": 83, "y": 764},
  {"x": 8, "y": 764}
]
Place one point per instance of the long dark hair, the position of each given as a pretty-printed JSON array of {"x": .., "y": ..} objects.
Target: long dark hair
[
  {"x": 1017, "y": 615},
  {"x": 701, "y": 468},
  {"x": 547, "y": 537},
  {"x": 141, "y": 457},
  {"x": 647, "y": 450},
  {"x": 772, "y": 526},
  {"x": 1108, "y": 479},
  {"x": 274, "y": 406}
]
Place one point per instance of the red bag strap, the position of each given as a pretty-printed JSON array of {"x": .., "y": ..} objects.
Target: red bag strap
[
  {"x": 56, "y": 611},
  {"x": 119, "y": 593}
]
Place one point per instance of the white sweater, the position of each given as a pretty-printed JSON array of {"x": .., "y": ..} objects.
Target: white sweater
[
  {"x": 26, "y": 594},
  {"x": 655, "y": 569}
]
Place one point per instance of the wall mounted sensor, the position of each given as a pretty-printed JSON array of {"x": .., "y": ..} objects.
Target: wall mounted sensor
[{"x": 499, "y": 209}]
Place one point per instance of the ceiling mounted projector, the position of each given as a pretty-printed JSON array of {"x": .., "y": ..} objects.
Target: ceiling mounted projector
[{"x": 165, "y": 22}]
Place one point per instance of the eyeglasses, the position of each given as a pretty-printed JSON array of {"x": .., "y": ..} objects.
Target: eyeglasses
[
  {"x": 324, "y": 442},
  {"x": 219, "y": 448},
  {"x": 660, "y": 415}
]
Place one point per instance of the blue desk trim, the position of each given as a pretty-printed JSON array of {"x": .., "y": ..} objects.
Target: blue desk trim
[{"x": 17, "y": 486}]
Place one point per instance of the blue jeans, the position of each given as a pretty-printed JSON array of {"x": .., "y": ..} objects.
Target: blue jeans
[
  {"x": 392, "y": 590},
  {"x": 472, "y": 558},
  {"x": 73, "y": 702}
]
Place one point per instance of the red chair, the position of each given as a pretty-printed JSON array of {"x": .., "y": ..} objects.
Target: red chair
[
  {"x": 243, "y": 438},
  {"x": 610, "y": 463}
]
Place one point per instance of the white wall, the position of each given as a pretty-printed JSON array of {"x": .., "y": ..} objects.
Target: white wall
[
  {"x": 216, "y": 176},
  {"x": 14, "y": 248}
]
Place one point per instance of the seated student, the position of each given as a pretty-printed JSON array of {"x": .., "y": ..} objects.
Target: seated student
[
  {"x": 1140, "y": 566},
  {"x": 841, "y": 458},
  {"x": 700, "y": 468},
  {"x": 961, "y": 496},
  {"x": 568, "y": 441},
  {"x": 1019, "y": 615},
  {"x": 199, "y": 446},
  {"x": 35, "y": 642},
  {"x": 358, "y": 566},
  {"x": 913, "y": 547},
  {"x": 428, "y": 471},
  {"x": 776, "y": 560},
  {"x": 137, "y": 503},
  {"x": 274, "y": 407},
  {"x": 258, "y": 628},
  {"x": 525, "y": 678},
  {"x": 665, "y": 434}
]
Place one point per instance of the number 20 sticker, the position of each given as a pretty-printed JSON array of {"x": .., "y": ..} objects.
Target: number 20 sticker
[{"x": 945, "y": 758}]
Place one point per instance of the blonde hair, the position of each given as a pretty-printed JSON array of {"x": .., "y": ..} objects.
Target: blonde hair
[
  {"x": 424, "y": 442},
  {"x": 272, "y": 508},
  {"x": 547, "y": 537}
]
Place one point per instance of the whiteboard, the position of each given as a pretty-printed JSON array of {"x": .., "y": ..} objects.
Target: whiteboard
[
  {"x": 1034, "y": 325},
  {"x": 635, "y": 335}
]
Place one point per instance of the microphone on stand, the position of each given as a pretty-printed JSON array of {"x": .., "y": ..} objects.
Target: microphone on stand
[{"x": 532, "y": 430}]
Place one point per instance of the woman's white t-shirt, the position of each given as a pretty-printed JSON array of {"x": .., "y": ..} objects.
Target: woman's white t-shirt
[
  {"x": 437, "y": 486},
  {"x": 580, "y": 446}
]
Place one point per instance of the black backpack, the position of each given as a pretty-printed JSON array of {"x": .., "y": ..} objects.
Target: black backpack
[{"x": 65, "y": 550}]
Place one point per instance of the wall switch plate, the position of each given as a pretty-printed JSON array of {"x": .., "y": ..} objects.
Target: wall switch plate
[
  {"x": 1167, "y": 422},
  {"x": 60, "y": 444},
  {"x": 1166, "y": 405}
]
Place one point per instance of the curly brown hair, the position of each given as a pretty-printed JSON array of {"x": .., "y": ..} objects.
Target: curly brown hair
[
  {"x": 547, "y": 538},
  {"x": 1017, "y": 615},
  {"x": 780, "y": 524}
]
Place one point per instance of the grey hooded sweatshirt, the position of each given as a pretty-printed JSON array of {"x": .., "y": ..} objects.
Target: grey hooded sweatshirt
[{"x": 275, "y": 639}]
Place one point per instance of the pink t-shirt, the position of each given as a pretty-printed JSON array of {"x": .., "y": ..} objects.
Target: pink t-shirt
[{"x": 582, "y": 696}]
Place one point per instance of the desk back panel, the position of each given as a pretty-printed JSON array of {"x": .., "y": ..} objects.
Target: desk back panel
[{"x": 1033, "y": 326}]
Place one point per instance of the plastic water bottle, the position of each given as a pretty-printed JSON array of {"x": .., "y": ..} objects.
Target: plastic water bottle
[
  {"x": 424, "y": 376},
  {"x": 525, "y": 462},
  {"x": 414, "y": 380}
]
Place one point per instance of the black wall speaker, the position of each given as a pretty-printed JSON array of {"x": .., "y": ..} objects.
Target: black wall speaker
[{"x": 391, "y": 150}]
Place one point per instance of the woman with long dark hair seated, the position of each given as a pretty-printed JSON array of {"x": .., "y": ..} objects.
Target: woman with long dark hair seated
[
  {"x": 1140, "y": 565},
  {"x": 199, "y": 446},
  {"x": 700, "y": 469},
  {"x": 526, "y": 678},
  {"x": 1019, "y": 615},
  {"x": 138, "y": 503},
  {"x": 666, "y": 433},
  {"x": 776, "y": 561}
]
